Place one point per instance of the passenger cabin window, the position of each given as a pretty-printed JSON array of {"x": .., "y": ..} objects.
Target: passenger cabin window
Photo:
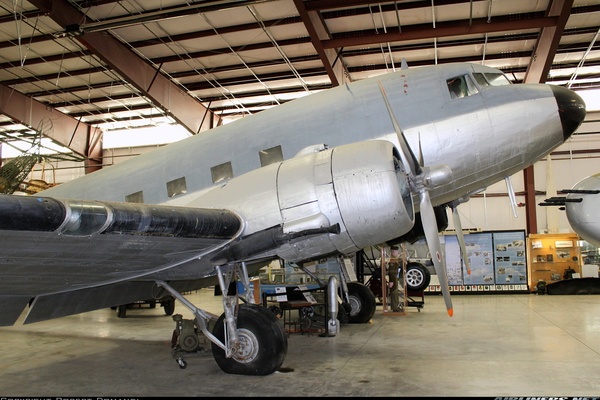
[
  {"x": 461, "y": 86},
  {"x": 221, "y": 172},
  {"x": 270, "y": 156},
  {"x": 176, "y": 187},
  {"x": 137, "y": 197},
  {"x": 491, "y": 79}
]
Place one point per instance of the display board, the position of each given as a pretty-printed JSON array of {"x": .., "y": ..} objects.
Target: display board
[
  {"x": 510, "y": 266},
  {"x": 498, "y": 262}
]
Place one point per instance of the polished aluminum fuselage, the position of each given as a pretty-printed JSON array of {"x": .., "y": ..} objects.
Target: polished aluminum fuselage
[{"x": 482, "y": 138}]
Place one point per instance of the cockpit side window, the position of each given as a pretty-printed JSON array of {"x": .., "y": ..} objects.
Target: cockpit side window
[
  {"x": 480, "y": 79},
  {"x": 461, "y": 86},
  {"x": 491, "y": 79},
  {"x": 497, "y": 79}
]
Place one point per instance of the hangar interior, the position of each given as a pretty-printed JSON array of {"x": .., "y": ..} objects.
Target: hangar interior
[
  {"x": 86, "y": 84},
  {"x": 236, "y": 58}
]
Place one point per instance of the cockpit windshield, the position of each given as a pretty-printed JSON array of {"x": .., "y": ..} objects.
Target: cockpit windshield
[{"x": 461, "y": 86}]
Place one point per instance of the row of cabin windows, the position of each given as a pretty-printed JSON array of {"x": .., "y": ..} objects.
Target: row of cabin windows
[
  {"x": 460, "y": 86},
  {"x": 463, "y": 86},
  {"x": 219, "y": 173}
]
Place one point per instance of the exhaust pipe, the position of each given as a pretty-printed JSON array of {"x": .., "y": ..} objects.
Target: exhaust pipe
[{"x": 333, "y": 323}]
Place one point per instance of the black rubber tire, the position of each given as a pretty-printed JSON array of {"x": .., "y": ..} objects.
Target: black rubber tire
[
  {"x": 363, "y": 303},
  {"x": 417, "y": 277},
  {"x": 342, "y": 314},
  {"x": 169, "y": 305},
  {"x": 265, "y": 342},
  {"x": 122, "y": 311}
]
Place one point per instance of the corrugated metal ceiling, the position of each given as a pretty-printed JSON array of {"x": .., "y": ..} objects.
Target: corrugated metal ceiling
[{"x": 97, "y": 65}]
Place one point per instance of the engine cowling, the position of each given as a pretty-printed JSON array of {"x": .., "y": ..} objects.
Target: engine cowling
[{"x": 360, "y": 187}]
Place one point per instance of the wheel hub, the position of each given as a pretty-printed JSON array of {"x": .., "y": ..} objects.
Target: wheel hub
[
  {"x": 246, "y": 349},
  {"x": 414, "y": 278},
  {"x": 354, "y": 305}
]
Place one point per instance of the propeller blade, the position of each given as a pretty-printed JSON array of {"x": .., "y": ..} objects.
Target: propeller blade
[
  {"x": 461, "y": 238},
  {"x": 435, "y": 247},
  {"x": 421, "y": 161},
  {"x": 410, "y": 162},
  {"x": 511, "y": 194}
]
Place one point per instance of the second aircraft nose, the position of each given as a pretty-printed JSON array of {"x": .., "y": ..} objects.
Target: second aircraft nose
[{"x": 571, "y": 108}]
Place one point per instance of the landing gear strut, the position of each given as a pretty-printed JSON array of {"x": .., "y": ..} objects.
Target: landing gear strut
[{"x": 246, "y": 339}]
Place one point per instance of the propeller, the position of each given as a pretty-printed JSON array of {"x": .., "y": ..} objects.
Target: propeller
[
  {"x": 422, "y": 180},
  {"x": 460, "y": 236}
]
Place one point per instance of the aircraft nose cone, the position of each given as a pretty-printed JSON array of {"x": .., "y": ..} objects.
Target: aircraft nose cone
[{"x": 571, "y": 108}]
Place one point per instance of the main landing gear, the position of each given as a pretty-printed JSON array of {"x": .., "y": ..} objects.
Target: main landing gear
[
  {"x": 246, "y": 339},
  {"x": 358, "y": 301}
]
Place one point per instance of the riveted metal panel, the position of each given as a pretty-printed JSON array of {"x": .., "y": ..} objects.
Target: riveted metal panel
[
  {"x": 378, "y": 210},
  {"x": 296, "y": 182}
]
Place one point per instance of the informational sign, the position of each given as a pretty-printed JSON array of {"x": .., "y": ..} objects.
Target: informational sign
[
  {"x": 281, "y": 291},
  {"x": 510, "y": 258},
  {"x": 496, "y": 258},
  {"x": 498, "y": 261},
  {"x": 480, "y": 254},
  {"x": 453, "y": 260}
]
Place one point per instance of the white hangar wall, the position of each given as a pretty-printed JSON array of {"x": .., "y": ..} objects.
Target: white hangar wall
[{"x": 570, "y": 163}]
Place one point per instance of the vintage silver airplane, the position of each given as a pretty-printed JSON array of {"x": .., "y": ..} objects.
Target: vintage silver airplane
[
  {"x": 581, "y": 207},
  {"x": 327, "y": 174}
]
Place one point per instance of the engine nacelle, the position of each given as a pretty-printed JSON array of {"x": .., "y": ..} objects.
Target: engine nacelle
[{"x": 360, "y": 187}]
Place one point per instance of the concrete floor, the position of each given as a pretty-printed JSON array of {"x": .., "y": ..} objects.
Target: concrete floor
[{"x": 495, "y": 345}]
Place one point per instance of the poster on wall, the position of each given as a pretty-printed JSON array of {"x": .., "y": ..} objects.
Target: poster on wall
[
  {"x": 454, "y": 268},
  {"x": 498, "y": 261},
  {"x": 509, "y": 257},
  {"x": 480, "y": 252}
]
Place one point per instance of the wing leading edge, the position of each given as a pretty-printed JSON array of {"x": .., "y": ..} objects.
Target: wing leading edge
[{"x": 67, "y": 256}]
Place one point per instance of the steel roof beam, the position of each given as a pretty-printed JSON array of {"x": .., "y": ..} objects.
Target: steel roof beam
[
  {"x": 402, "y": 5},
  {"x": 547, "y": 43},
  {"x": 65, "y": 130},
  {"x": 317, "y": 30},
  {"x": 186, "y": 110},
  {"x": 442, "y": 29}
]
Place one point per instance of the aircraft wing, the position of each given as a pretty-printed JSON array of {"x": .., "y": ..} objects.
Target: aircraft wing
[{"x": 64, "y": 256}]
